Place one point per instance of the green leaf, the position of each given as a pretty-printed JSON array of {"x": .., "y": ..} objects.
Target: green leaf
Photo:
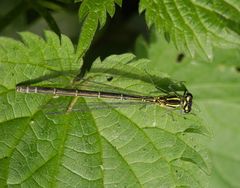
[
  {"x": 48, "y": 17},
  {"x": 34, "y": 57},
  {"x": 196, "y": 25},
  {"x": 92, "y": 13},
  {"x": 137, "y": 146},
  {"x": 11, "y": 15},
  {"x": 215, "y": 88}
]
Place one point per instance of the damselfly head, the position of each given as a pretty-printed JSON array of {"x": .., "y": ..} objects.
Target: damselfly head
[{"x": 187, "y": 102}]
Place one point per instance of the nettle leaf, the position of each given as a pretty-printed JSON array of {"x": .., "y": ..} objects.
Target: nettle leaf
[
  {"x": 93, "y": 13},
  {"x": 196, "y": 25},
  {"x": 215, "y": 88},
  {"x": 138, "y": 146},
  {"x": 44, "y": 12}
]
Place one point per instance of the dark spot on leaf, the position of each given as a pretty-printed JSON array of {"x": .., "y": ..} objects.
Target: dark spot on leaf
[
  {"x": 238, "y": 69},
  {"x": 180, "y": 57},
  {"x": 109, "y": 78}
]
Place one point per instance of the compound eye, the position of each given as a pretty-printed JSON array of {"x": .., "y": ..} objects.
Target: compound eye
[
  {"x": 189, "y": 97},
  {"x": 187, "y": 104},
  {"x": 187, "y": 108}
]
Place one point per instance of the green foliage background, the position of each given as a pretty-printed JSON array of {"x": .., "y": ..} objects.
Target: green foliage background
[
  {"x": 216, "y": 90},
  {"x": 128, "y": 146}
]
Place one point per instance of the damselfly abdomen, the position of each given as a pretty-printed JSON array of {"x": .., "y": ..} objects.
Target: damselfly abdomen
[{"x": 183, "y": 102}]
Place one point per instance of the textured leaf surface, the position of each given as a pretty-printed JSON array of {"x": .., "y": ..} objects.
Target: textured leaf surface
[
  {"x": 138, "y": 146},
  {"x": 196, "y": 25},
  {"x": 93, "y": 13},
  {"x": 215, "y": 87}
]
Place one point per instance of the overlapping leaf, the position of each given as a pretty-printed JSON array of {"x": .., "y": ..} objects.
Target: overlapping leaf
[
  {"x": 93, "y": 13},
  {"x": 196, "y": 25}
]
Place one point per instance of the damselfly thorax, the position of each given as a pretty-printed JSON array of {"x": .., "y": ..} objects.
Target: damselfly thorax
[{"x": 183, "y": 102}]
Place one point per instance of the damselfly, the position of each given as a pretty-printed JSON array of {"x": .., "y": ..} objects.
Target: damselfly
[{"x": 183, "y": 102}]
